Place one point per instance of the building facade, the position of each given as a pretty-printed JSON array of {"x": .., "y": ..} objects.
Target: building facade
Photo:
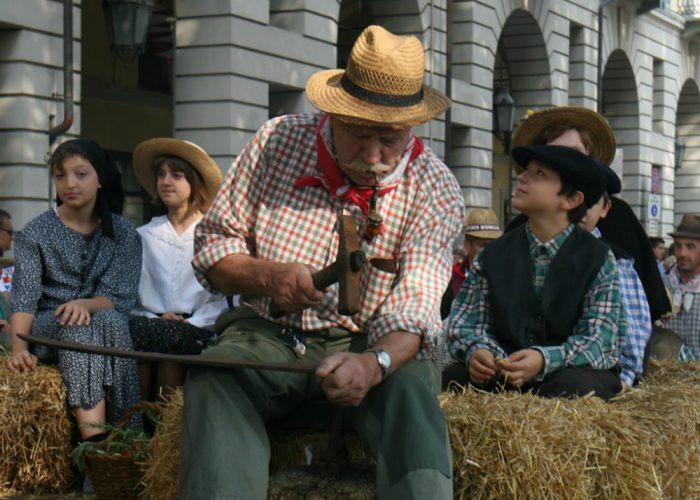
[{"x": 215, "y": 70}]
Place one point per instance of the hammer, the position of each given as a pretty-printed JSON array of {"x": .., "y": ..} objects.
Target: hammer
[{"x": 346, "y": 270}]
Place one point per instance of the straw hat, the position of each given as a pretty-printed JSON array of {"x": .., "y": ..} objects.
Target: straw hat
[
  {"x": 483, "y": 223},
  {"x": 382, "y": 84},
  {"x": 688, "y": 228},
  {"x": 531, "y": 127},
  {"x": 146, "y": 153}
]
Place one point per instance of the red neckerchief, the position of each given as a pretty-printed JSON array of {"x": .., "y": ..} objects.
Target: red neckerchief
[{"x": 333, "y": 181}]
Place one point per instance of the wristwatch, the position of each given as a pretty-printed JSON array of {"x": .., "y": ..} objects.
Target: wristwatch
[{"x": 383, "y": 359}]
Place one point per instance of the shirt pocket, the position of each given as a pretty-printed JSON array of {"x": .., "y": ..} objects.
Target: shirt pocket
[{"x": 377, "y": 282}]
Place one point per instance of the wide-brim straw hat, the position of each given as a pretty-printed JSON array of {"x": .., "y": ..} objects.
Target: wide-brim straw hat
[
  {"x": 531, "y": 128},
  {"x": 146, "y": 153},
  {"x": 688, "y": 228},
  {"x": 382, "y": 85},
  {"x": 482, "y": 223}
]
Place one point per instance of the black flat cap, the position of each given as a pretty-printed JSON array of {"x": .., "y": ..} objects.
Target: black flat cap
[{"x": 578, "y": 167}]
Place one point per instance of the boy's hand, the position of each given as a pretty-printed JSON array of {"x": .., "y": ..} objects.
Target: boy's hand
[
  {"x": 482, "y": 366},
  {"x": 522, "y": 366},
  {"x": 73, "y": 313}
]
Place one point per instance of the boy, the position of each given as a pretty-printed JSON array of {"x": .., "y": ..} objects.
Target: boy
[
  {"x": 548, "y": 320},
  {"x": 634, "y": 339}
]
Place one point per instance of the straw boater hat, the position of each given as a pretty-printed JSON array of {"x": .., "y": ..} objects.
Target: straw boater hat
[
  {"x": 146, "y": 153},
  {"x": 382, "y": 84},
  {"x": 531, "y": 127},
  {"x": 688, "y": 228},
  {"x": 482, "y": 223}
]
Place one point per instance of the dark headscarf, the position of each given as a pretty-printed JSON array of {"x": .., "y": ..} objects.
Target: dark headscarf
[{"x": 110, "y": 196}]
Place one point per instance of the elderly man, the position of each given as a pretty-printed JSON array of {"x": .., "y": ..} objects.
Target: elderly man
[
  {"x": 273, "y": 222},
  {"x": 683, "y": 283}
]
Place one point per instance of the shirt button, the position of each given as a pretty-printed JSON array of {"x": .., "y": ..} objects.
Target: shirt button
[
  {"x": 538, "y": 318},
  {"x": 530, "y": 340}
]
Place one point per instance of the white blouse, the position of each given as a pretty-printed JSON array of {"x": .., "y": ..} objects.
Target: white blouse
[{"x": 167, "y": 279}]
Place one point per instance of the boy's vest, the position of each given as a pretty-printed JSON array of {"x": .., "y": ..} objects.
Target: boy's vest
[{"x": 521, "y": 319}]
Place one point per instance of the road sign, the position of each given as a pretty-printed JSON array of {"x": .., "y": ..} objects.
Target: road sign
[{"x": 654, "y": 207}]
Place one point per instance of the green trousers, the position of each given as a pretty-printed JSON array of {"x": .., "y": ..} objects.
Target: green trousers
[{"x": 225, "y": 452}]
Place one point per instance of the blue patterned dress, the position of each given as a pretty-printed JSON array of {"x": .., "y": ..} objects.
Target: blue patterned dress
[{"x": 55, "y": 264}]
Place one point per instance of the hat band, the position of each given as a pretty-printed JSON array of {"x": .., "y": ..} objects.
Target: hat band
[
  {"x": 482, "y": 227},
  {"x": 397, "y": 101}
]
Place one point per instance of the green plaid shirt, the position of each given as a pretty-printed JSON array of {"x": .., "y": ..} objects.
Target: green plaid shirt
[{"x": 593, "y": 342}]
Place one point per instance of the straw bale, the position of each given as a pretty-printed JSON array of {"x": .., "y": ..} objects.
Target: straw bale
[
  {"x": 666, "y": 405},
  {"x": 513, "y": 445},
  {"x": 161, "y": 475},
  {"x": 314, "y": 483},
  {"x": 35, "y": 435}
]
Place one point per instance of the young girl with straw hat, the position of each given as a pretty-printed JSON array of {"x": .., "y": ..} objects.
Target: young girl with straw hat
[
  {"x": 76, "y": 278},
  {"x": 173, "y": 312}
]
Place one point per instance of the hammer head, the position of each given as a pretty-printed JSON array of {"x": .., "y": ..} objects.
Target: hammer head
[{"x": 349, "y": 266}]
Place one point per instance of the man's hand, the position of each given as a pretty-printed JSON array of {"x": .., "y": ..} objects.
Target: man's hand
[
  {"x": 482, "y": 366},
  {"x": 522, "y": 366},
  {"x": 21, "y": 361},
  {"x": 73, "y": 313},
  {"x": 292, "y": 288},
  {"x": 347, "y": 377},
  {"x": 172, "y": 316}
]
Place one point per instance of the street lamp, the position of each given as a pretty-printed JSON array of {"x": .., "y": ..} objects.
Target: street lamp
[
  {"x": 503, "y": 116},
  {"x": 679, "y": 152},
  {"x": 127, "y": 26}
]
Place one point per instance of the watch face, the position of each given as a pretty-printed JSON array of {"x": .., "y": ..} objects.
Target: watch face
[{"x": 384, "y": 360}]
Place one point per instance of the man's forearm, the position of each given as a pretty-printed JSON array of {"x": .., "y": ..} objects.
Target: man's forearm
[
  {"x": 242, "y": 274},
  {"x": 401, "y": 346}
]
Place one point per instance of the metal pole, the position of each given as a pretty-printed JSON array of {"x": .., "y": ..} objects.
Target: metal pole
[{"x": 63, "y": 127}]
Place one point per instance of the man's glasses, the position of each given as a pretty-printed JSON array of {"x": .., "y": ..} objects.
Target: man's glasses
[{"x": 8, "y": 231}]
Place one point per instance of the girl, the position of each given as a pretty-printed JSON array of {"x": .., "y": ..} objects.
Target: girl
[
  {"x": 174, "y": 313},
  {"x": 76, "y": 278}
]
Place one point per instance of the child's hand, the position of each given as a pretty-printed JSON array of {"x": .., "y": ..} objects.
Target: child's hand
[
  {"x": 522, "y": 366},
  {"x": 172, "y": 316},
  {"x": 21, "y": 361},
  {"x": 482, "y": 366},
  {"x": 73, "y": 313}
]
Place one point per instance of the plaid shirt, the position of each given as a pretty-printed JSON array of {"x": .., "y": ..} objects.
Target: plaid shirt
[
  {"x": 636, "y": 308},
  {"x": 594, "y": 340},
  {"x": 259, "y": 212},
  {"x": 686, "y": 306}
]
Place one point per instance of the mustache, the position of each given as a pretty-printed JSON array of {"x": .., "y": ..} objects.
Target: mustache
[{"x": 360, "y": 167}]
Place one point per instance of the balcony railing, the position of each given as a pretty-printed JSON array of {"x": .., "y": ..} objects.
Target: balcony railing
[{"x": 687, "y": 8}]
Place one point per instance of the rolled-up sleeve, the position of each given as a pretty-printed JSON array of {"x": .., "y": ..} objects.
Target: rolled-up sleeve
[
  {"x": 226, "y": 226},
  {"x": 424, "y": 268}
]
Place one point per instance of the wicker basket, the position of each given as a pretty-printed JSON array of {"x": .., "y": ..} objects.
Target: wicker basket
[{"x": 117, "y": 477}]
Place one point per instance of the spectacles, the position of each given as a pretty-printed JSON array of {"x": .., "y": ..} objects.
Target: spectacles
[{"x": 8, "y": 231}]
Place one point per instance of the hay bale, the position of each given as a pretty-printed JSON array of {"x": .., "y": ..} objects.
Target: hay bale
[
  {"x": 161, "y": 475},
  {"x": 514, "y": 445},
  {"x": 666, "y": 405},
  {"x": 35, "y": 434},
  {"x": 643, "y": 444}
]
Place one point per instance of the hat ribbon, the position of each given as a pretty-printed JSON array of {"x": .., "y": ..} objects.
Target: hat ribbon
[
  {"x": 333, "y": 180},
  {"x": 397, "y": 101}
]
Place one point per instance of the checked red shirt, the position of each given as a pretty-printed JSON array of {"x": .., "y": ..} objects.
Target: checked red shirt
[{"x": 259, "y": 212}]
